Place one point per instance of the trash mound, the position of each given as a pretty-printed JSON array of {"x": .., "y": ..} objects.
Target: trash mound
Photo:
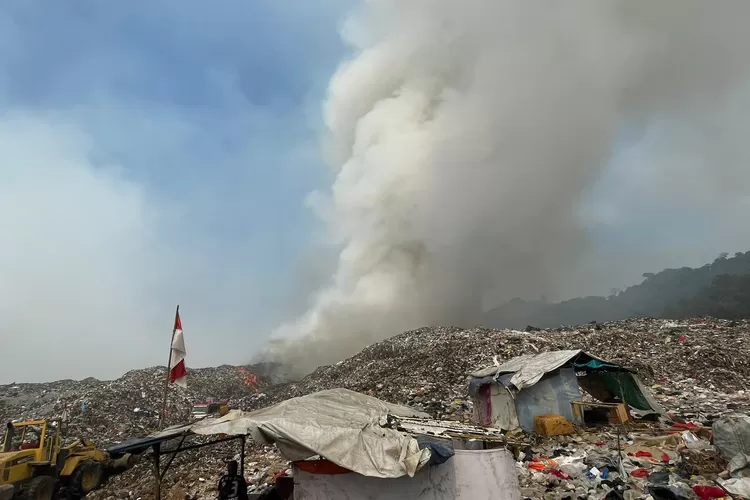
[
  {"x": 637, "y": 461},
  {"x": 697, "y": 369},
  {"x": 113, "y": 410},
  {"x": 108, "y": 412}
]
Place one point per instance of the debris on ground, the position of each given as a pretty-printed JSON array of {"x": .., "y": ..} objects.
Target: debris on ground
[{"x": 696, "y": 369}]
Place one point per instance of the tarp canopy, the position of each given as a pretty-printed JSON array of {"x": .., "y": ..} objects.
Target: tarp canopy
[
  {"x": 528, "y": 369},
  {"x": 343, "y": 426}
]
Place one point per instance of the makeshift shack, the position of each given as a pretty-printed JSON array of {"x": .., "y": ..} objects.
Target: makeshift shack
[
  {"x": 379, "y": 451},
  {"x": 511, "y": 394},
  {"x": 347, "y": 445}
]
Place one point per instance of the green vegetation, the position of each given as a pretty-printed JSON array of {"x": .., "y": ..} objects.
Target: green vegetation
[{"x": 720, "y": 289}]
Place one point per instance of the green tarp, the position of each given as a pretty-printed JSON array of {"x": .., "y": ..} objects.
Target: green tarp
[
  {"x": 623, "y": 385},
  {"x": 595, "y": 363}
]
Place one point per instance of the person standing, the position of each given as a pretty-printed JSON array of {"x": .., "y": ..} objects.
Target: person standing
[{"x": 232, "y": 486}]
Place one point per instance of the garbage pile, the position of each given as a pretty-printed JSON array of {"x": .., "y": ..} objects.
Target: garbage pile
[
  {"x": 662, "y": 461},
  {"x": 194, "y": 474},
  {"x": 698, "y": 367},
  {"x": 109, "y": 412},
  {"x": 697, "y": 370}
]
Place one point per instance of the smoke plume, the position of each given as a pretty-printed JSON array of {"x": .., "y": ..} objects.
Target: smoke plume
[{"x": 466, "y": 135}]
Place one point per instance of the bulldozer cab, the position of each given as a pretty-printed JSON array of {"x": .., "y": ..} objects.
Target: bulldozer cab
[{"x": 40, "y": 437}]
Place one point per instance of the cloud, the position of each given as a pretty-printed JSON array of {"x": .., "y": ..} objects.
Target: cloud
[
  {"x": 74, "y": 235},
  {"x": 152, "y": 154}
]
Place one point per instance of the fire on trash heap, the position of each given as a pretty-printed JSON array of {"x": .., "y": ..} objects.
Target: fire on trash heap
[{"x": 696, "y": 370}]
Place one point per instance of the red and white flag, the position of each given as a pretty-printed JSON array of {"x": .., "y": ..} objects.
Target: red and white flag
[{"x": 177, "y": 371}]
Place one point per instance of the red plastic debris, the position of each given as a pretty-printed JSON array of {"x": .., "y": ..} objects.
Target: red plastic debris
[
  {"x": 601, "y": 443},
  {"x": 688, "y": 425},
  {"x": 665, "y": 458},
  {"x": 560, "y": 474},
  {"x": 639, "y": 473},
  {"x": 682, "y": 338},
  {"x": 708, "y": 492},
  {"x": 644, "y": 454}
]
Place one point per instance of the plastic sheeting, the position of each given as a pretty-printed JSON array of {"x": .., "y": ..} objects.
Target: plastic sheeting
[
  {"x": 340, "y": 425},
  {"x": 441, "y": 450},
  {"x": 502, "y": 408},
  {"x": 530, "y": 368},
  {"x": 652, "y": 402},
  {"x": 476, "y": 384},
  {"x": 534, "y": 394},
  {"x": 530, "y": 371},
  {"x": 550, "y": 396},
  {"x": 595, "y": 363},
  {"x": 732, "y": 436},
  {"x": 469, "y": 475},
  {"x": 604, "y": 385},
  {"x": 738, "y": 486}
]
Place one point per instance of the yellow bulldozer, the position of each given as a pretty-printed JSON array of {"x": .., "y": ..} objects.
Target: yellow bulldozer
[{"x": 34, "y": 465}]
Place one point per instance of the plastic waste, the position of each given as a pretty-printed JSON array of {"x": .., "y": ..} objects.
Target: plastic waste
[
  {"x": 543, "y": 464},
  {"x": 708, "y": 492},
  {"x": 593, "y": 473},
  {"x": 560, "y": 474},
  {"x": 693, "y": 442},
  {"x": 574, "y": 470},
  {"x": 640, "y": 473},
  {"x": 659, "y": 478}
]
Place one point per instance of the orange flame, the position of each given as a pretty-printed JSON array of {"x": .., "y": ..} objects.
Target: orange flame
[{"x": 250, "y": 379}]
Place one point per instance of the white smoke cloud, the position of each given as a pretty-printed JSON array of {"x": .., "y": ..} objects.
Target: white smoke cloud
[
  {"x": 92, "y": 263},
  {"x": 465, "y": 137}
]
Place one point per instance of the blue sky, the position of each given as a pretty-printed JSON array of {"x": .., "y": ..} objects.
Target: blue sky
[
  {"x": 198, "y": 122},
  {"x": 155, "y": 153}
]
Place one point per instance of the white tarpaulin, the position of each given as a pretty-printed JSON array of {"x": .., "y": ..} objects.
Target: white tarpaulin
[
  {"x": 529, "y": 369},
  {"x": 340, "y": 425},
  {"x": 469, "y": 475}
]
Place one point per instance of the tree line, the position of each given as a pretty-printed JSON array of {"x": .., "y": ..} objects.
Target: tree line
[{"x": 720, "y": 289}]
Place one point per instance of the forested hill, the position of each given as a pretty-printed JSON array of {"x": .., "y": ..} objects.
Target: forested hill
[{"x": 720, "y": 289}]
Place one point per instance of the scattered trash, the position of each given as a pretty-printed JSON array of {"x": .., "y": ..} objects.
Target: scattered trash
[
  {"x": 707, "y": 492},
  {"x": 701, "y": 381},
  {"x": 693, "y": 442},
  {"x": 542, "y": 464},
  {"x": 640, "y": 473}
]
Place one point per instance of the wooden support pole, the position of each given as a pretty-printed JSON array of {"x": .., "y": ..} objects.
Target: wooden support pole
[{"x": 169, "y": 362}]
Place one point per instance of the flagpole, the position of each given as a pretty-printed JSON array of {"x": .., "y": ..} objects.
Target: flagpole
[{"x": 166, "y": 384}]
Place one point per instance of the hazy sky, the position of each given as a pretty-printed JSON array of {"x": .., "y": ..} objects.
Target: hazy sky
[{"x": 155, "y": 153}]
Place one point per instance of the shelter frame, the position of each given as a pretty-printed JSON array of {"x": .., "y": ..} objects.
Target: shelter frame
[{"x": 155, "y": 445}]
